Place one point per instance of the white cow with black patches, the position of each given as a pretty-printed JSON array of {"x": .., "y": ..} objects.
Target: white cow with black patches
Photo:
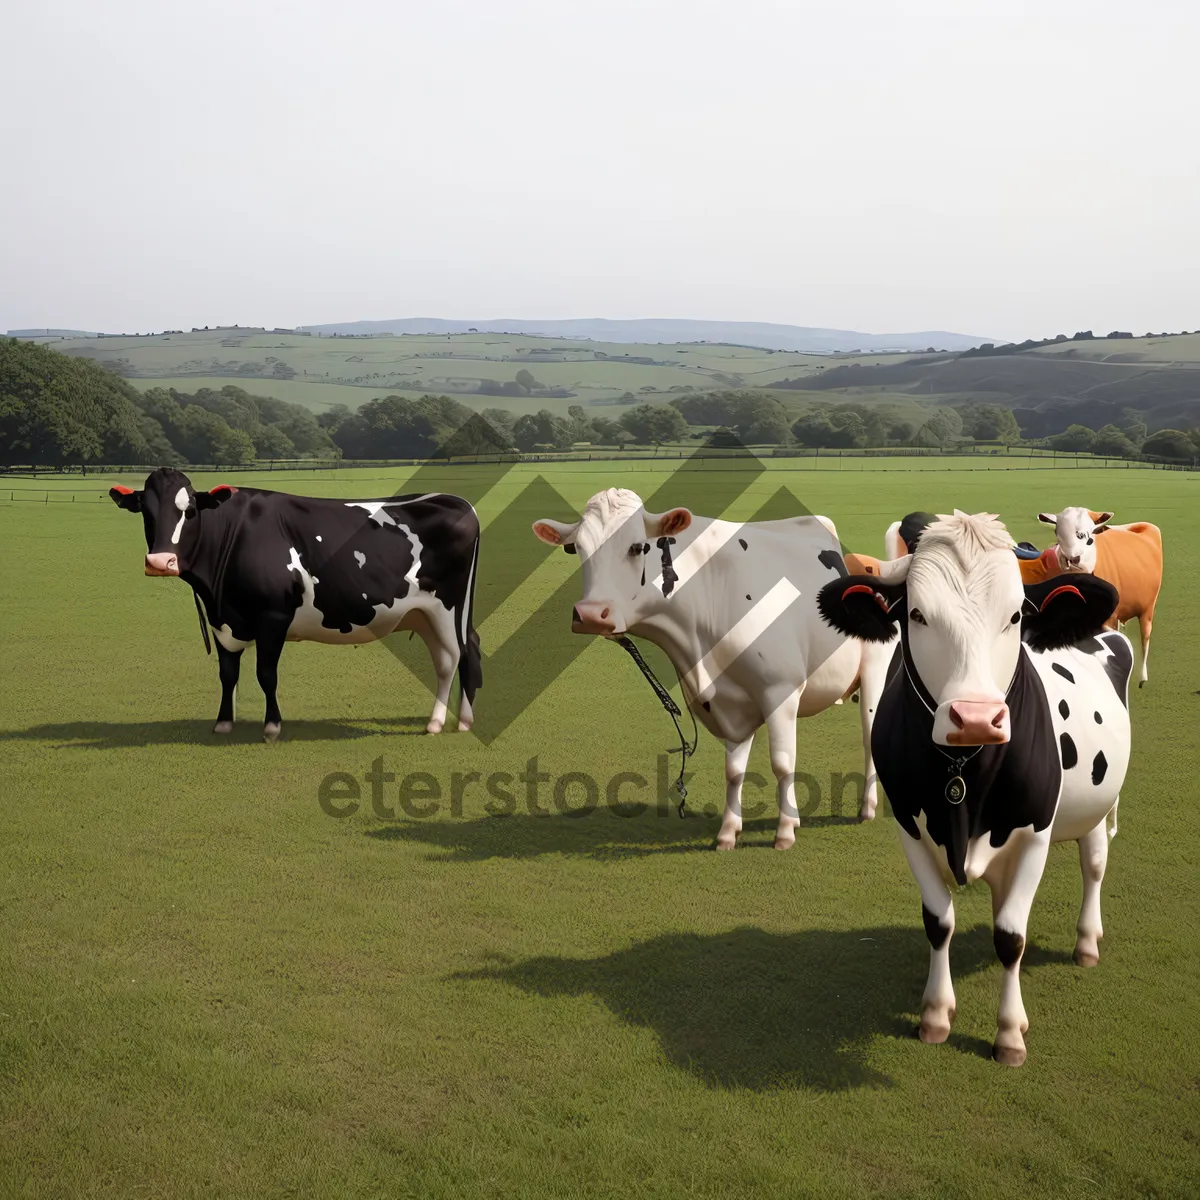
[
  {"x": 1003, "y": 727},
  {"x": 733, "y": 605}
]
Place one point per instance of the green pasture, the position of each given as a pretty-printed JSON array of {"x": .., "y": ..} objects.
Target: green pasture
[
  {"x": 353, "y": 370},
  {"x": 1180, "y": 350},
  {"x": 209, "y": 986}
]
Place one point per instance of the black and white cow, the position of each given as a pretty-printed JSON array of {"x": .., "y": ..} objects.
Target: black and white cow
[
  {"x": 1003, "y": 727},
  {"x": 734, "y": 608},
  {"x": 271, "y": 568}
]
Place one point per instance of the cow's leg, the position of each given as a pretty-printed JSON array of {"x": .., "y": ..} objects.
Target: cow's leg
[
  {"x": 229, "y": 662},
  {"x": 466, "y": 715},
  {"x": 268, "y": 647},
  {"x": 737, "y": 754},
  {"x": 937, "y": 914},
  {"x": 872, "y": 678},
  {"x": 1093, "y": 857},
  {"x": 1112, "y": 818},
  {"x": 781, "y": 730},
  {"x": 1146, "y": 622},
  {"x": 438, "y": 635},
  {"x": 1014, "y": 885}
]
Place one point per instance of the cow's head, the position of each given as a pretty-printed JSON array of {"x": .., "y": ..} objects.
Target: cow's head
[
  {"x": 961, "y": 606},
  {"x": 618, "y": 543},
  {"x": 1076, "y": 529},
  {"x": 169, "y": 505}
]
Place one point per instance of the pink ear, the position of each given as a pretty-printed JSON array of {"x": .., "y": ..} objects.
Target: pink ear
[
  {"x": 221, "y": 487},
  {"x": 675, "y": 521},
  {"x": 120, "y": 487},
  {"x": 547, "y": 533}
]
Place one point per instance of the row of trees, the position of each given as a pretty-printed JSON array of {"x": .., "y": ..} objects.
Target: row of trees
[
  {"x": 56, "y": 410},
  {"x": 1113, "y": 441},
  {"x": 399, "y": 427}
]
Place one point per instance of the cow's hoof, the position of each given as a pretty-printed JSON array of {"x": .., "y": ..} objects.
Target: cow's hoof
[
  {"x": 1142, "y": 683},
  {"x": 727, "y": 843},
  {"x": 464, "y": 727},
  {"x": 434, "y": 727},
  {"x": 1086, "y": 956},
  {"x": 785, "y": 843},
  {"x": 933, "y": 1033},
  {"x": 223, "y": 727},
  {"x": 866, "y": 814},
  {"x": 271, "y": 732},
  {"x": 1009, "y": 1056}
]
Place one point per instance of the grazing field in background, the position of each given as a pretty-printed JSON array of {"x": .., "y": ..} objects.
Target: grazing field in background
[
  {"x": 356, "y": 369},
  {"x": 1091, "y": 381},
  {"x": 210, "y": 987}
]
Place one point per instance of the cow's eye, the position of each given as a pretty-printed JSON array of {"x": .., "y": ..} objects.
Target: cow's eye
[
  {"x": 1080, "y": 535},
  {"x": 915, "y": 615},
  {"x": 1016, "y": 618}
]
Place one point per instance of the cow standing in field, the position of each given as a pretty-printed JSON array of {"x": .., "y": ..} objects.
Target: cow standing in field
[
  {"x": 734, "y": 608},
  {"x": 271, "y": 568},
  {"x": 1130, "y": 557},
  {"x": 1003, "y": 727}
]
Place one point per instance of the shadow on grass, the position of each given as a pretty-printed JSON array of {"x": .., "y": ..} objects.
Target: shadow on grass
[
  {"x": 113, "y": 735},
  {"x": 765, "y": 1011},
  {"x": 597, "y": 834}
]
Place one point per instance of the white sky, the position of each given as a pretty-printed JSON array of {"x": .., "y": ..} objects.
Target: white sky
[{"x": 1010, "y": 169}]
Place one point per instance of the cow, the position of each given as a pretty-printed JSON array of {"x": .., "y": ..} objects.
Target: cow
[
  {"x": 734, "y": 607},
  {"x": 1003, "y": 727},
  {"x": 1130, "y": 557},
  {"x": 271, "y": 568}
]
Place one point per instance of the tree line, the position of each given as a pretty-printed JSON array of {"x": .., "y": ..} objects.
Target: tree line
[{"x": 57, "y": 410}]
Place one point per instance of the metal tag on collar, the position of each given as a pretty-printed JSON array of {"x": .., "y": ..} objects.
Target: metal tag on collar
[{"x": 956, "y": 790}]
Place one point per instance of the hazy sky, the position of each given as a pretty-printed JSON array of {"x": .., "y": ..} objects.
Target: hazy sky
[{"x": 1009, "y": 169}]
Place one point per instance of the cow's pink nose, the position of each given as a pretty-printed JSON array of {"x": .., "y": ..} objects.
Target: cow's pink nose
[
  {"x": 978, "y": 722},
  {"x": 591, "y": 616},
  {"x": 162, "y": 564}
]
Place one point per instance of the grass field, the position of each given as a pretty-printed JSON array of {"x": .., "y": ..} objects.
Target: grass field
[
  {"x": 355, "y": 369},
  {"x": 210, "y": 987}
]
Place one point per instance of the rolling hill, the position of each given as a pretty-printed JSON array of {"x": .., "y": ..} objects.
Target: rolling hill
[
  {"x": 758, "y": 334},
  {"x": 1089, "y": 382}
]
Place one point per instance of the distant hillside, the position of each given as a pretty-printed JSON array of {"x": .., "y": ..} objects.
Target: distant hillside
[
  {"x": 741, "y": 333},
  {"x": 50, "y": 333},
  {"x": 1158, "y": 378}
]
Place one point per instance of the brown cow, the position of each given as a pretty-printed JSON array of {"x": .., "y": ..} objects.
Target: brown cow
[{"x": 1128, "y": 556}]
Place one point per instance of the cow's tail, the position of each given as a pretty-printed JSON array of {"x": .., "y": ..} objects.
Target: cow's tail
[{"x": 470, "y": 660}]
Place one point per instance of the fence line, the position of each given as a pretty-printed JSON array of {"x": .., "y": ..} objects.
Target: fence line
[{"x": 734, "y": 457}]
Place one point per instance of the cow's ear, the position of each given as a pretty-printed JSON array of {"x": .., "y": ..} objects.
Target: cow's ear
[
  {"x": 1066, "y": 609},
  {"x": 861, "y": 564},
  {"x": 1099, "y": 519},
  {"x": 861, "y": 606},
  {"x": 667, "y": 524},
  {"x": 214, "y": 496},
  {"x": 126, "y": 498},
  {"x": 1048, "y": 518},
  {"x": 555, "y": 533}
]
